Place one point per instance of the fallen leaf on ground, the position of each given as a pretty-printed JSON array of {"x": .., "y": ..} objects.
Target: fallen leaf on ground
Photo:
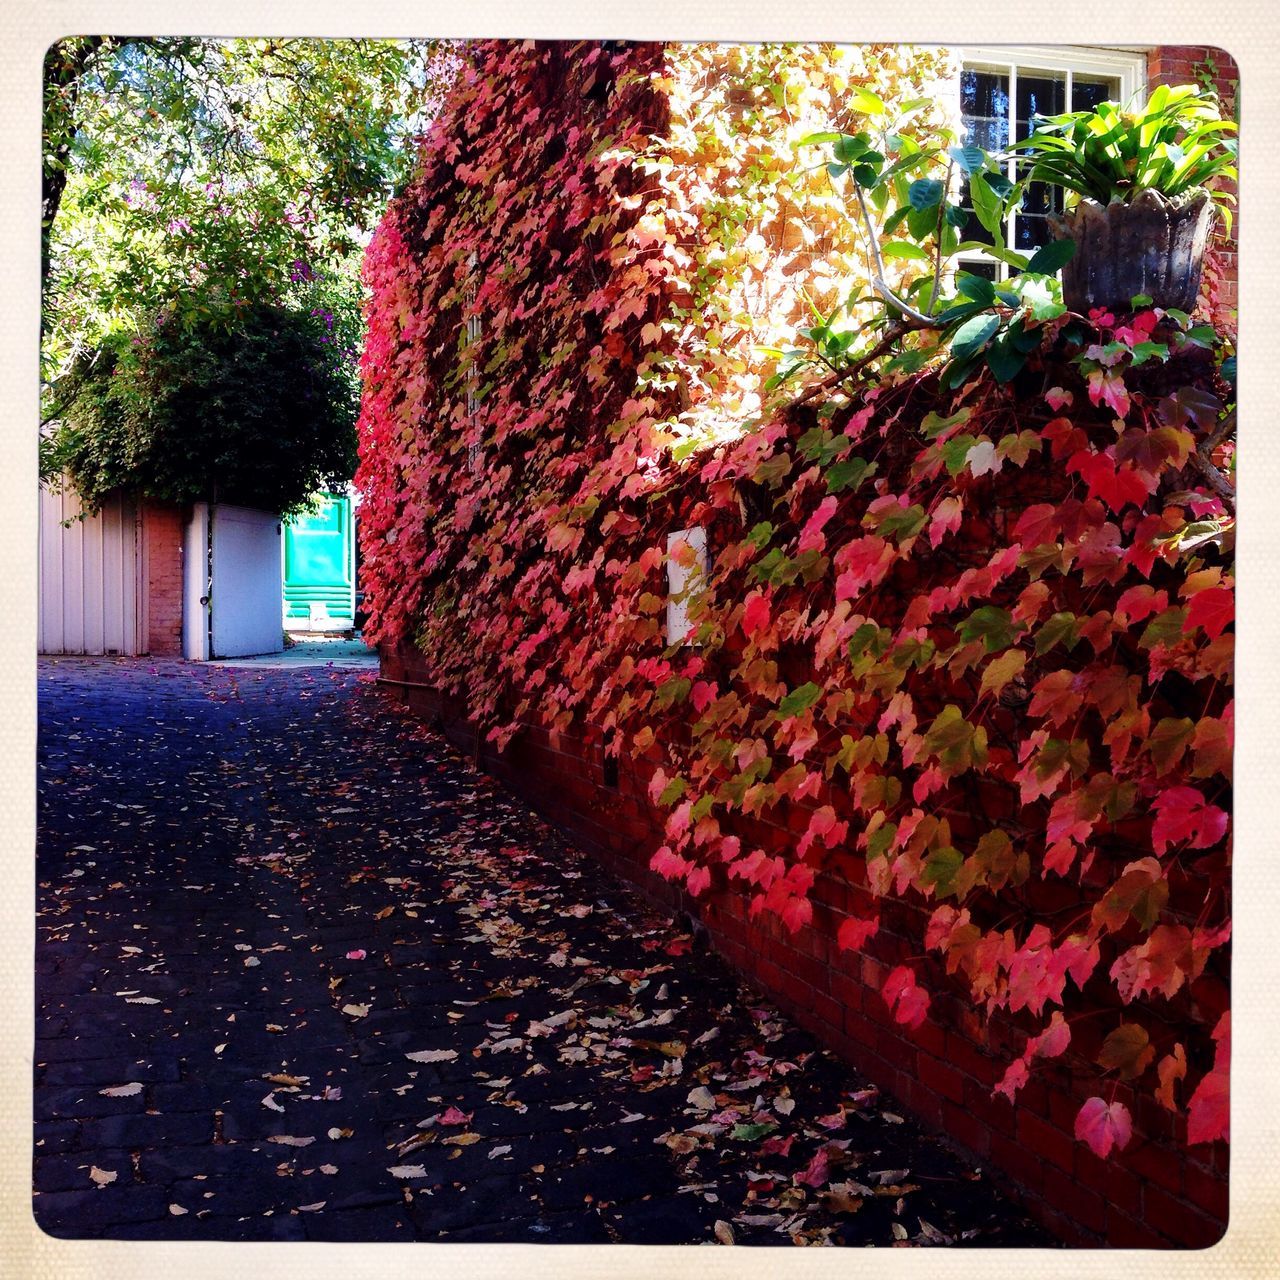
[{"x": 433, "y": 1055}]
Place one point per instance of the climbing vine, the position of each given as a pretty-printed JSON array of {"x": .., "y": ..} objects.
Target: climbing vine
[{"x": 965, "y": 627}]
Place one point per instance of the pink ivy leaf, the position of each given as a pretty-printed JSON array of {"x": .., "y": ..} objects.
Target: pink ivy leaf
[
  {"x": 698, "y": 880},
  {"x": 1183, "y": 814},
  {"x": 818, "y": 1172},
  {"x": 908, "y": 1002},
  {"x": 1104, "y": 1126}
]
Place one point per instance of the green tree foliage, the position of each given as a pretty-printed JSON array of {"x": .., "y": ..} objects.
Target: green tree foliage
[
  {"x": 190, "y": 175},
  {"x": 261, "y": 413}
]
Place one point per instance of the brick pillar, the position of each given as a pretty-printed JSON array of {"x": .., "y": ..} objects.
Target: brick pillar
[
  {"x": 1193, "y": 64},
  {"x": 163, "y": 525}
]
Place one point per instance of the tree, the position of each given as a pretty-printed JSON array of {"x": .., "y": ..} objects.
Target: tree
[
  {"x": 193, "y": 175},
  {"x": 262, "y": 413}
]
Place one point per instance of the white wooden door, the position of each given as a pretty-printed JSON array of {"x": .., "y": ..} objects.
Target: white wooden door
[
  {"x": 89, "y": 576},
  {"x": 246, "y": 584}
]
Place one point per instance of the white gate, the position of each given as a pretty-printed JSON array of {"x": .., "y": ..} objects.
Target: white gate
[
  {"x": 89, "y": 576},
  {"x": 232, "y": 591}
]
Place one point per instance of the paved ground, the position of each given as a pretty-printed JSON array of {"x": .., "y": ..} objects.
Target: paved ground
[{"x": 302, "y": 974}]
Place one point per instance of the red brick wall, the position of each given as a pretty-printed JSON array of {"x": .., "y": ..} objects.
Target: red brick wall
[
  {"x": 163, "y": 526},
  {"x": 1156, "y": 1194},
  {"x": 1191, "y": 64}
]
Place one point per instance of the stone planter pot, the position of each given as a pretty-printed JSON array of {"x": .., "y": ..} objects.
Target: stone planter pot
[{"x": 1151, "y": 246}]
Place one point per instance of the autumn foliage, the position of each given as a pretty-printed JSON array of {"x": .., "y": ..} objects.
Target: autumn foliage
[{"x": 975, "y": 644}]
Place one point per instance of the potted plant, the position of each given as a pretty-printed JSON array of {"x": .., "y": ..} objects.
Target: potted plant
[{"x": 1140, "y": 205}]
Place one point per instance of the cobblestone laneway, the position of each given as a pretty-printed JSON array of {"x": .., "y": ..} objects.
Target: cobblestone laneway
[{"x": 303, "y": 974}]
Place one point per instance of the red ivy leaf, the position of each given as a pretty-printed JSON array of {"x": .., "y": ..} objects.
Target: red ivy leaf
[
  {"x": 756, "y": 613},
  {"x": 1213, "y": 610},
  {"x": 854, "y": 932}
]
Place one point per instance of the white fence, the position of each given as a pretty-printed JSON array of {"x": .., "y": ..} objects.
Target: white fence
[{"x": 90, "y": 577}]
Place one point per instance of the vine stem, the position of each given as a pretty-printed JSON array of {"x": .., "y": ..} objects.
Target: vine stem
[{"x": 1203, "y": 460}]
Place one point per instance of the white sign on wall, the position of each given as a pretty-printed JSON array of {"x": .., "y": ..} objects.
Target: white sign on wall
[{"x": 683, "y": 580}]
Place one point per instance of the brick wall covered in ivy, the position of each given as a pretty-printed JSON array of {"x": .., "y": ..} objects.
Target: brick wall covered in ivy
[{"x": 944, "y": 762}]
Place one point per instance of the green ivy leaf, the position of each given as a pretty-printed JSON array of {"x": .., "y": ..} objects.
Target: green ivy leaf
[
  {"x": 848, "y": 473},
  {"x": 799, "y": 700},
  {"x": 672, "y": 791},
  {"x": 941, "y": 867},
  {"x": 994, "y": 627},
  {"x": 1063, "y": 629}
]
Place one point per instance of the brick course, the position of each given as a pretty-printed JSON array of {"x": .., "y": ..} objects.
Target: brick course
[{"x": 163, "y": 525}]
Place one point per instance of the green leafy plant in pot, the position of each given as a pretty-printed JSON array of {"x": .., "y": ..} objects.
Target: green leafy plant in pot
[{"x": 1140, "y": 201}]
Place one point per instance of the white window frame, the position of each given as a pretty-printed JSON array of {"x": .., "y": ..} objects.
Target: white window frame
[{"x": 1129, "y": 66}]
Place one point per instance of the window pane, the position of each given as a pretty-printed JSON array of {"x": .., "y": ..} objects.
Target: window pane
[
  {"x": 1030, "y": 232},
  {"x": 1040, "y": 93},
  {"x": 984, "y": 93},
  {"x": 1088, "y": 91},
  {"x": 986, "y": 269},
  {"x": 990, "y": 135},
  {"x": 984, "y": 108}
]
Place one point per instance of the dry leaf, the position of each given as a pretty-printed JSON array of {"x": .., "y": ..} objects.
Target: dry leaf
[
  {"x": 433, "y": 1055},
  {"x": 702, "y": 1098}
]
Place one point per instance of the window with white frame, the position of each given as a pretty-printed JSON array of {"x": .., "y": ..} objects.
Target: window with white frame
[{"x": 1002, "y": 89}]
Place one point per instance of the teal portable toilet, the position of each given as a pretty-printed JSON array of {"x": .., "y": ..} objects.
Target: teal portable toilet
[{"x": 320, "y": 566}]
